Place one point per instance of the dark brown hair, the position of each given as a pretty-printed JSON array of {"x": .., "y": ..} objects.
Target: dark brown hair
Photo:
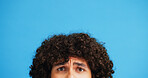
[{"x": 76, "y": 45}]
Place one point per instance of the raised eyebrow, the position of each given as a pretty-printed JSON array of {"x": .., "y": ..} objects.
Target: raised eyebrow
[{"x": 79, "y": 64}]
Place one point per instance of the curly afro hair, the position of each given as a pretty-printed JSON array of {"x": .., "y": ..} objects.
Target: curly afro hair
[{"x": 74, "y": 45}]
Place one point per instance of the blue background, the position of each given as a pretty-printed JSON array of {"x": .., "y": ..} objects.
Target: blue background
[{"x": 121, "y": 24}]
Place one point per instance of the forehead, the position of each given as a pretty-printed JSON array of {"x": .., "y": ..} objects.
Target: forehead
[
  {"x": 78, "y": 60},
  {"x": 71, "y": 61}
]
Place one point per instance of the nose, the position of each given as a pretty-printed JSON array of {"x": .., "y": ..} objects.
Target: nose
[{"x": 70, "y": 74}]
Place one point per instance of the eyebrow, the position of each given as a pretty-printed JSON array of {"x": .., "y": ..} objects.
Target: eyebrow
[
  {"x": 79, "y": 64},
  {"x": 75, "y": 63},
  {"x": 62, "y": 63}
]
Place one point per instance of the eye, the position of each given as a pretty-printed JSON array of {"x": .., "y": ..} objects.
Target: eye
[
  {"x": 80, "y": 69},
  {"x": 61, "y": 69}
]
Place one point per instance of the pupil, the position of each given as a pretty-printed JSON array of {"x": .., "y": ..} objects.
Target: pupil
[{"x": 80, "y": 69}]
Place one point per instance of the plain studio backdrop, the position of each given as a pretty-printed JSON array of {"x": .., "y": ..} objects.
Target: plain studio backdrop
[{"x": 121, "y": 24}]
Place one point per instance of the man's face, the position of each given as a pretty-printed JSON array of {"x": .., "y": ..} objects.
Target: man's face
[{"x": 74, "y": 68}]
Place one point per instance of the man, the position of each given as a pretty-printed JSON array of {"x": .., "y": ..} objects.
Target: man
[{"x": 71, "y": 56}]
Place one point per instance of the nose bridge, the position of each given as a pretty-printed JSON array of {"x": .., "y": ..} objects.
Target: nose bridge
[{"x": 70, "y": 73}]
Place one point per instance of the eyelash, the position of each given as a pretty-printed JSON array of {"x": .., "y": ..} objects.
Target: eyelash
[
  {"x": 61, "y": 68},
  {"x": 78, "y": 68}
]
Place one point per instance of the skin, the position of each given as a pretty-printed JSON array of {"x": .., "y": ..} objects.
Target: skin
[{"x": 74, "y": 68}]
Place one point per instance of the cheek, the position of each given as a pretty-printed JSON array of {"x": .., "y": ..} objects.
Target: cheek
[
  {"x": 75, "y": 75},
  {"x": 84, "y": 75},
  {"x": 55, "y": 75}
]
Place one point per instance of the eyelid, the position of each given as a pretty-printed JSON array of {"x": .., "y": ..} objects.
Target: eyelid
[
  {"x": 59, "y": 66},
  {"x": 82, "y": 67}
]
